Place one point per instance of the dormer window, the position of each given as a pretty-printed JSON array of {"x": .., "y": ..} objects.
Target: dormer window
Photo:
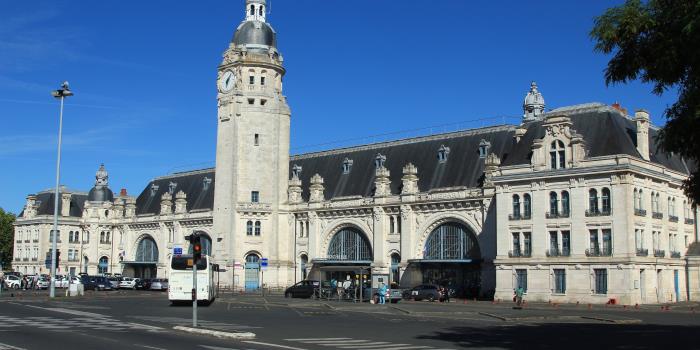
[
  {"x": 154, "y": 189},
  {"x": 296, "y": 171},
  {"x": 171, "y": 188},
  {"x": 206, "y": 183},
  {"x": 379, "y": 160},
  {"x": 557, "y": 155},
  {"x": 443, "y": 152},
  {"x": 484, "y": 147},
  {"x": 347, "y": 166}
]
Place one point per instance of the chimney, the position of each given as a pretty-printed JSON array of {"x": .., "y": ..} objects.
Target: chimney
[
  {"x": 122, "y": 193},
  {"x": 641, "y": 117}
]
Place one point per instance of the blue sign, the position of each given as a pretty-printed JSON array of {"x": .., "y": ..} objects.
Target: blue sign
[
  {"x": 177, "y": 251},
  {"x": 263, "y": 262}
]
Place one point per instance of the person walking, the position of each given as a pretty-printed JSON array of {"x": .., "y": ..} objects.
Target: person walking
[
  {"x": 519, "y": 296},
  {"x": 382, "y": 293}
]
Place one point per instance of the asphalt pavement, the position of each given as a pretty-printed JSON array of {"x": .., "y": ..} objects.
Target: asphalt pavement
[{"x": 136, "y": 319}]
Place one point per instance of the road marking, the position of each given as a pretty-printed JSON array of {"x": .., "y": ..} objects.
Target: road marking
[
  {"x": 317, "y": 339},
  {"x": 376, "y": 344},
  {"x": 68, "y": 311},
  {"x": 359, "y": 344},
  {"x": 149, "y": 347},
  {"x": 9, "y": 347},
  {"x": 273, "y": 345}
]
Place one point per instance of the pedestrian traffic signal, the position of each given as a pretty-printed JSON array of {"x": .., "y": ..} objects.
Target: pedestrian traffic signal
[
  {"x": 197, "y": 248},
  {"x": 58, "y": 257}
]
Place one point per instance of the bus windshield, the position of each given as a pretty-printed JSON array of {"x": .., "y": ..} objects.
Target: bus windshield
[{"x": 185, "y": 263}]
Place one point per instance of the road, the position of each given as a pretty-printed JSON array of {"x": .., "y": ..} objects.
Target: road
[{"x": 145, "y": 320}]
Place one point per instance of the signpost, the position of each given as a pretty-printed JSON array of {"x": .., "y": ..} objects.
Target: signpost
[
  {"x": 177, "y": 250},
  {"x": 263, "y": 268}
]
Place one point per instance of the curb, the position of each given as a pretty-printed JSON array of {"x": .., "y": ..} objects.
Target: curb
[
  {"x": 217, "y": 334},
  {"x": 492, "y": 315},
  {"x": 407, "y": 312},
  {"x": 626, "y": 321}
]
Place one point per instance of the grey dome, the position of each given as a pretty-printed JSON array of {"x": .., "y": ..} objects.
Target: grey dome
[
  {"x": 100, "y": 194},
  {"x": 255, "y": 33}
]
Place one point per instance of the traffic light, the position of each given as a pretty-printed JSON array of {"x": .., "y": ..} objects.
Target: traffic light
[
  {"x": 197, "y": 248},
  {"x": 58, "y": 257}
]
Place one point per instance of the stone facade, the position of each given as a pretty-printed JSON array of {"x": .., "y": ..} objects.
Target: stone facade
[{"x": 575, "y": 204}]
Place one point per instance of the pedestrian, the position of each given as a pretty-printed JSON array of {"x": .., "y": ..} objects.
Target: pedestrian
[
  {"x": 23, "y": 283},
  {"x": 519, "y": 296},
  {"x": 382, "y": 293},
  {"x": 334, "y": 285}
]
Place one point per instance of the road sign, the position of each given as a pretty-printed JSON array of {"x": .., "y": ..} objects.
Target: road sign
[
  {"x": 263, "y": 263},
  {"x": 177, "y": 250}
]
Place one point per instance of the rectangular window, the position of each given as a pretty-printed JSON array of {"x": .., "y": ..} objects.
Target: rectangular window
[
  {"x": 252, "y": 80},
  {"x": 257, "y": 228},
  {"x": 553, "y": 159},
  {"x": 638, "y": 239},
  {"x": 553, "y": 243},
  {"x": 521, "y": 279},
  {"x": 262, "y": 80},
  {"x": 255, "y": 196},
  {"x": 516, "y": 244},
  {"x": 593, "y": 248},
  {"x": 527, "y": 244},
  {"x": 601, "y": 281},
  {"x": 257, "y": 140},
  {"x": 670, "y": 242},
  {"x": 559, "y": 281},
  {"x": 562, "y": 160},
  {"x": 565, "y": 243},
  {"x": 607, "y": 242}
]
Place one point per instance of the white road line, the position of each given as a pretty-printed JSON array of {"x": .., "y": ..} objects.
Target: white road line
[
  {"x": 309, "y": 339},
  {"x": 339, "y": 342},
  {"x": 407, "y": 347},
  {"x": 9, "y": 347},
  {"x": 149, "y": 347},
  {"x": 376, "y": 344},
  {"x": 273, "y": 345}
]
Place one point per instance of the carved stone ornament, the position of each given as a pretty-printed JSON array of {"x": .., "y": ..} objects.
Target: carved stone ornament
[
  {"x": 316, "y": 189},
  {"x": 101, "y": 177},
  {"x": 409, "y": 179},
  {"x": 382, "y": 182}
]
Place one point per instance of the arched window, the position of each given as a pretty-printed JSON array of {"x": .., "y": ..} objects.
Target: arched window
[
  {"x": 391, "y": 224},
  {"x": 260, "y": 11},
  {"x": 103, "y": 265},
  {"x": 252, "y": 258},
  {"x": 252, "y": 10},
  {"x": 557, "y": 155},
  {"x": 565, "y": 207},
  {"x": 607, "y": 204},
  {"x": 257, "y": 228},
  {"x": 205, "y": 240},
  {"x": 395, "y": 271},
  {"x": 451, "y": 241},
  {"x": 304, "y": 261},
  {"x": 593, "y": 201},
  {"x": 527, "y": 206},
  {"x": 636, "y": 199},
  {"x": 641, "y": 199},
  {"x": 553, "y": 204},
  {"x": 249, "y": 228},
  {"x": 147, "y": 250},
  {"x": 349, "y": 244},
  {"x": 654, "y": 202},
  {"x": 516, "y": 206}
]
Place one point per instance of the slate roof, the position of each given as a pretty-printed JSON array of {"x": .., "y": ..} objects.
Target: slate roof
[
  {"x": 46, "y": 201},
  {"x": 192, "y": 183},
  {"x": 462, "y": 168}
]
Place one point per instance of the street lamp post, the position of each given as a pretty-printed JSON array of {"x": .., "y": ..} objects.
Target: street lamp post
[{"x": 61, "y": 94}]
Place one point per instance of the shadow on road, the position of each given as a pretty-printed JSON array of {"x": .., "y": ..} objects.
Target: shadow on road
[{"x": 570, "y": 336}]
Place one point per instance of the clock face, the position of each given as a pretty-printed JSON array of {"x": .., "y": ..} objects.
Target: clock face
[{"x": 228, "y": 81}]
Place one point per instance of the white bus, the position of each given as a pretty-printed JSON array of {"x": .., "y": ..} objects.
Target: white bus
[{"x": 180, "y": 280}]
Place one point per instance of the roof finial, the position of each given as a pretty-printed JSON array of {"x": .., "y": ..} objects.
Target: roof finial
[
  {"x": 534, "y": 104},
  {"x": 255, "y": 10},
  {"x": 101, "y": 177}
]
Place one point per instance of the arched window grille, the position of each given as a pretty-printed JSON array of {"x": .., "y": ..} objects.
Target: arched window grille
[
  {"x": 252, "y": 258},
  {"x": 565, "y": 206},
  {"x": 147, "y": 250},
  {"x": 607, "y": 204},
  {"x": 451, "y": 241},
  {"x": 349, "y": 244},
  {"x": 516, "y": 206},
  {"x": 593, "y": 201}
]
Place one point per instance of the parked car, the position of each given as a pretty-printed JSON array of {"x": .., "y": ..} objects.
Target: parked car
[
  {"x": 95, "y": 283},
  {"x": 303, "y": 289},
  {"x": 428, "y": 292},
  {"x": 66, "y": 280},
  {"x": 12, "y": 281},
  {"x": 143, "y": 283},
  {"x": 392, "y": 295},
  {"x": 42, "y": 283},
  {"x": 114, "y": 281},
  {"x": 128, "y": 283},
  {"x": 159, "y": 284}
]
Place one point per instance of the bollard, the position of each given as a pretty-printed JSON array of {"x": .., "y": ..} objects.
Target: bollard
[{"x": 590, "y": 306}]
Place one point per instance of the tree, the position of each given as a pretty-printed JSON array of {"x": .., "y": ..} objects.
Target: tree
[
  {"x": 6, "y": 237},
  {"x": 658, "y": 42}
]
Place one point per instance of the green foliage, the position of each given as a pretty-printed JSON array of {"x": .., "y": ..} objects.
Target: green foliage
[
  {"x": 6, "y": 237},
  {"x": 658, "y": 42}
]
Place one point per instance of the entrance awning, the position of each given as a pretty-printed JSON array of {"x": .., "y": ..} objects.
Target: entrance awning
[
  {"x": 444, "y": 261},
  {"x": 143, "y": 263}
]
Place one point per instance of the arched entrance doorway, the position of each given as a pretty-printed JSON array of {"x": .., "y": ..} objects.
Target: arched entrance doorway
[
  {"x": 252, "y": 272},
  {"x": 103, "y": 265},
  {"x": 145, "y": 260},
  {"x": 349, "y": 257},
  {"x": 451, "y": 258}
]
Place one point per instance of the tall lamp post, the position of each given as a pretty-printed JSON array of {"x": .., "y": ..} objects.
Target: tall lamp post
[{"x": 61, "y": 94}]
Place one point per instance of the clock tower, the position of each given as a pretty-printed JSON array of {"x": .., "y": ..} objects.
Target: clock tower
[{"x": 252, "y": 152}]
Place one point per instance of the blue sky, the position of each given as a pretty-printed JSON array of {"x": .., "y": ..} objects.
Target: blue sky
[{"x": 357, "y": 71}]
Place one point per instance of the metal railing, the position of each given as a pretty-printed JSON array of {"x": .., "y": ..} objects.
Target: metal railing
[
  {"x": 676, "y": 255},
  {"x": 557, "y": 215},
  {"x": 598, "y": 252},
  {"x": 657, "y": 215},
  {"x": 592, "y": 213},
  {"x": 673, "y": 218},
  {"x": 689, "y": 221},
  {"x": 642, "y": 252},
  {"x": 514, "y": 217},
  {"x": 659, "y": 253},
  {"x": 519, "y": 254},
  {"x": 640, "y": 212}
]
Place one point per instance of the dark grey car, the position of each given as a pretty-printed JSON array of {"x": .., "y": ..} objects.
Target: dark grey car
[{"x": 428, "y": 292}]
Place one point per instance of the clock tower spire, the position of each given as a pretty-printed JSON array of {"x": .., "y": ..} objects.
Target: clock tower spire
[{"x": 252, "y": 151}]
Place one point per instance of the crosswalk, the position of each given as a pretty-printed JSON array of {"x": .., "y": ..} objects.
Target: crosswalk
[
  {"x": 55, "y": 323},
  {"x": 9, "y": 347},
  {"x": 361, "y": 344},
  {"x": 181, "y": 321}
]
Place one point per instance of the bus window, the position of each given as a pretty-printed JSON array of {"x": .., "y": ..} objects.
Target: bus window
[{"x": 185, "y": 263}]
